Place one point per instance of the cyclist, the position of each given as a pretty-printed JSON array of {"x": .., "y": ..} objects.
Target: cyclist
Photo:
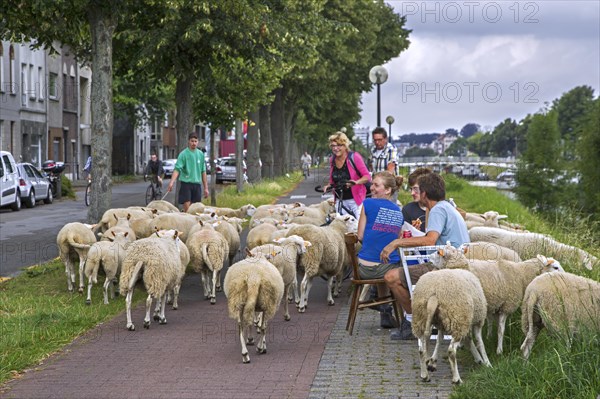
[
  {"x": 155, "y": 170},
  {"x": 306, "y": 161}
]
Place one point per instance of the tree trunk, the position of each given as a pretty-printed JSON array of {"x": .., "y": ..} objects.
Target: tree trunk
[
  {"x": 253, "y": 153},
  {"x": 183, "y": 100},
  {"x": 292, "y": 156},
  {"x": 239, "y": 155},
  {"x": 278, "y": 133},
  {"x": 102, "y": 27},
  {"x": 266, "y": 147},
  {"x": 213, "y": 169}
]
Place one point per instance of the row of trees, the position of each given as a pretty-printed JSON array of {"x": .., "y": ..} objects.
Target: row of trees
[
  {"x": 558, "y": 150},
  {"x": 282, "y": 63}
]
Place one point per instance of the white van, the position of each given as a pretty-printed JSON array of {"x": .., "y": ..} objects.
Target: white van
[{"x": 9, "y": 182}]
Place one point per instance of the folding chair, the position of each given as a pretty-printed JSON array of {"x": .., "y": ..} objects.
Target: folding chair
[
  {"x": 420, "y": 255},
  {"x": 357, "y": 284}
]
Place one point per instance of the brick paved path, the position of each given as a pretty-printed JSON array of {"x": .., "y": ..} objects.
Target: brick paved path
[{"x": 198, "y": 355}]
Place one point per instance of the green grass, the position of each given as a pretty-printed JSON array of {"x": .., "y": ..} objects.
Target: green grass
[{"x": 38, "y": 316}]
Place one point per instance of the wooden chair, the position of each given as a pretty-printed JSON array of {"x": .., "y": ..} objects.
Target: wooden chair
[{"x": 357, "y": 284}]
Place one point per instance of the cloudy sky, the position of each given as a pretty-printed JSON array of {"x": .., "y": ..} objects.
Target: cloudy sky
[{"x": 485, "y": 61}]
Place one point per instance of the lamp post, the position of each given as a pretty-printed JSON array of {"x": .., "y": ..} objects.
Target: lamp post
[
  {"x": 390, "y": 120},
  {"x": 378, "y": 75}
]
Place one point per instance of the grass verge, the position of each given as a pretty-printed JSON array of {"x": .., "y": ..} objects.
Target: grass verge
[{"x": 38, "y": 316}]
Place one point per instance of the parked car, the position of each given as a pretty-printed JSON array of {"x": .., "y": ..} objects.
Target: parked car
[
  {"x": 33, "y": 186},
  {"x": 168, "y": 166},
  {"x": 9, "y": 182},
  {"x": 225, "y": 170}
]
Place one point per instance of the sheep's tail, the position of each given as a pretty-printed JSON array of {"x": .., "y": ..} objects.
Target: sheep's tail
[
  {"x": 91, "y": 268},
  {"x": 204, "y": 249},
  {"x": 79, "y": 245},
  {"x": 128, "y": 280},
  {"x": 253, "y": 289},
  {"x": 432, "y": 305},
  {"x": 527, "y": 309}
]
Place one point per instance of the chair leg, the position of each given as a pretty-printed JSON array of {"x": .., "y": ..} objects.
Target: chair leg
[{"x": 353, "y": 309}]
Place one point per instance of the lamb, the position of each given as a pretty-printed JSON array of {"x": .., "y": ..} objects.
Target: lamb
[
  {"x": 159, "y": 261},
  {"x": 277, "y": 214},
  {"x": 559, "y": 301},
  {"x": 208, "y": 249},
  {"x": 530, "y": 244},
  {"x": 325, "y": 257},
  {"x": 122, "y": 226},
  {"x": 73, "y": 241},
  {"x": 452, "y": 300},
  {"x": 260, "y": 235},
  {"x": 253, "y": 285},
  {"x": 489, "y": 218},
  {"x": 503, "y": 281},
  {"x": 108, "y": 254},
  {"x": 163, "y": 205},
  {"x": 284, "y": 256}
]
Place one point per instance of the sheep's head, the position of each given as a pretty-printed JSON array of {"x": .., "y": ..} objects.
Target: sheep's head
[
  {"x": 450, "y": 257},
  {"x": 294, "y": 239},
  {"x": 250, "y": 209},
  {"x": 550, "y": 264}
]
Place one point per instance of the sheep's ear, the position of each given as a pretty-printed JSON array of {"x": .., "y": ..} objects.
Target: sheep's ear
[
  {"x": 301, "y": 213},
  {"x": 278, "y": 240},
  {"x": 441, "y": 252},
  {"x": 465, "y": 249},
  {"x": 128, "y": 216},
  {"x": 543, "y": 259},
  {"x": 248, "y": 253},
  {"x": 502, "y": 217},
  {"x": 307, "y": 244}
]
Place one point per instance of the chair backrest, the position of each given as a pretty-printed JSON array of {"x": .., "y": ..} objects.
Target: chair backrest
[
  {"x": 409, "y": 255},
  {"x": 351, "y": 239}
]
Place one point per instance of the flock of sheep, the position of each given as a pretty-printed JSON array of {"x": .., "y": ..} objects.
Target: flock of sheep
[{"x": 485, "y": 281}]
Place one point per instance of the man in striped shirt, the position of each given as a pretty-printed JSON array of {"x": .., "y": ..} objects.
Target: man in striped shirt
[{"x": 383, "y": 154}]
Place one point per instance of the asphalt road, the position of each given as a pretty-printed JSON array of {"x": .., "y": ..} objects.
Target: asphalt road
[{"x": 28, "y": 237}]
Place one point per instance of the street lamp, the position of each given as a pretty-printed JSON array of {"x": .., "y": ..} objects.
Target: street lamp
[
  {"x": 389, "y": 120},
  {"x": 378, "y": 75}
]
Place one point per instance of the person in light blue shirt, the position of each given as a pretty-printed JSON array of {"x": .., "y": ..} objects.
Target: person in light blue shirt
[{"x": 444, "y": 223}]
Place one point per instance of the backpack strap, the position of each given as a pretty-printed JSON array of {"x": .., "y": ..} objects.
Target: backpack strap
[{"x": 351, "y": 158}]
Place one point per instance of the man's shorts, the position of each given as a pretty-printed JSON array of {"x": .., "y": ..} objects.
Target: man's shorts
[
  {"x": 376, "y": 271},
  {"x": 190, "y": 192},
  {"x": 415, "y": 272}
]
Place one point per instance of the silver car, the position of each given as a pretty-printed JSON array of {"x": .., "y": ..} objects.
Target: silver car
[
  {"x": 33, "y": 186},
  {"x": 168, "y": 166},
  {"x": 225, "y": 170}
]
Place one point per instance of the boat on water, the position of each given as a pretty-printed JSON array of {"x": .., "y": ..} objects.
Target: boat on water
[{"x": 506, "y": 180}]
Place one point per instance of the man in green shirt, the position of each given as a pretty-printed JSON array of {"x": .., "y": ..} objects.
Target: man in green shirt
[{"x": 192, "y": 168}]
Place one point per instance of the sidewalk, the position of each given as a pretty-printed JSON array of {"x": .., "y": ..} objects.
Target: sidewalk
[{"x": 198, "y": 354}]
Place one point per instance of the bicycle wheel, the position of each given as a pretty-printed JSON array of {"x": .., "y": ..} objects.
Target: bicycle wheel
[
  {"x": 88, "y": 193},
  {"x": 157, "y": 193},
  {"x": 149, "y": 194}
]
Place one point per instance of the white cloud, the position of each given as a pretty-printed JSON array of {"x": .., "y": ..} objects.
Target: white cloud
[{"x": 457, "y": 73}]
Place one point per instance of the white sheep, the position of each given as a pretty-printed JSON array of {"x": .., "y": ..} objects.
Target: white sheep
[
  {"x": 122, "y": 226},
  {"x": 274, "y": 215},
  {"x": 184, "y": 257},
  {"x": 253, "y": 285},
  {"x": 260, "y": 235},
  {"x": 490, "y": 251},
  {"x": 108, "y": 218},
  {"x": 528, "y": 245},
  {"x": 561, "y": 302},
  {"x": 109, "y": 254},
  {"x": 181, "y": 222},
  {"x": 242, "y": 212},
  {"x": 158, "y": 260},
  {"x": 163, "y": 205},
  {"x": 503, "y": 281},
  {"x": 73, "y": 241},
  {"x": 325, "y": 257},
  {"x": 284, "y": 256},
  {"x": 208, "y": 249},
  {"x": 454, "y": 302}
]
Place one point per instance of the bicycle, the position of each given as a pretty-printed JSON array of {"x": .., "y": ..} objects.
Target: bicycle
[
  {"x": 306, "y": 170},
  {"x": 88, "y": 191},
  {"x": 154, "y": 190}
]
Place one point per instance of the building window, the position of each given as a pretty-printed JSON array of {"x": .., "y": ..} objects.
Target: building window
[
  {"x": 52, "y": 77},
  {"x": 11, "y": 70},
  {"x": 24, "y": 86},
  {"x": 30, "y": 83},
  {"x": 40, "y": 84}
]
